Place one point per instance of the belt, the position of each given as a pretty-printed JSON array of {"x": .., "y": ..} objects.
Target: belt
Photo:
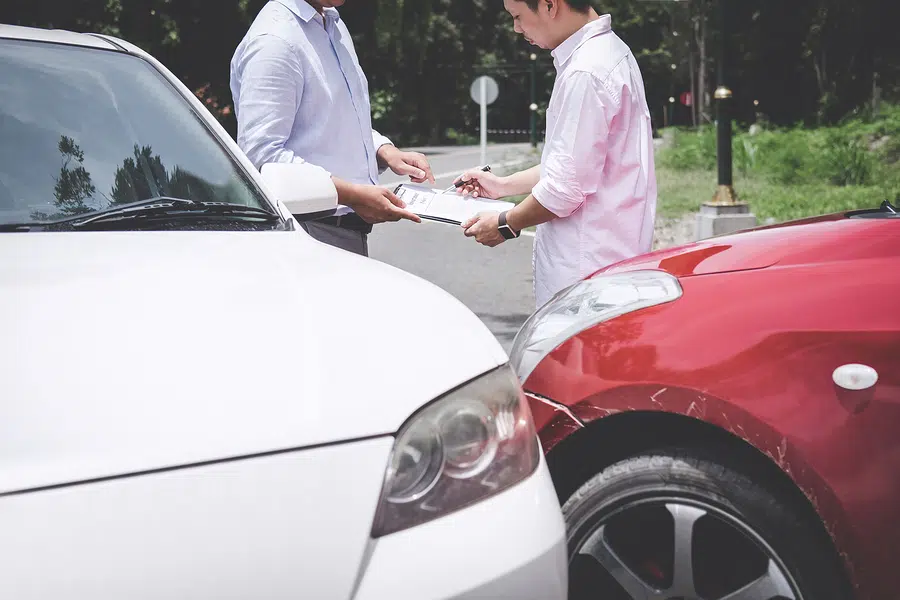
[{"x": 351, "y": 221}]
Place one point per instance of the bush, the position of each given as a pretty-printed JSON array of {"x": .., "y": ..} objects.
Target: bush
[
  {"x": 691, "y": 150},
  {"x": 846, "y": 160},
  {"x": 455, "y": 137},
  {"x": 861, "y": 151},
  {"x": 784, "y": 157}
]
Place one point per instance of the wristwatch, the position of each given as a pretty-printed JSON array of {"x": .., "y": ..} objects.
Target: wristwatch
[{"x": 505, "y": 230}]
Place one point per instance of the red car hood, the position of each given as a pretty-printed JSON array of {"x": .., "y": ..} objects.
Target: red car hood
[{"x": 819, "y": 239}]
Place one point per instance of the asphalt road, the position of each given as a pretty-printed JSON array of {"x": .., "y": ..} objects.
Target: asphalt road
[{"x": 495, "y": 283}]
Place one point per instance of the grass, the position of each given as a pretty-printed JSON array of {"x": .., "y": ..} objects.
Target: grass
[
  {"x": 786, "y": 173},
  {"x": 683, "y": 191}
]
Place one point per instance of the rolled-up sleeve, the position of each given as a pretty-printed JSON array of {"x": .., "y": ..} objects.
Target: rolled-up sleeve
[
  {"x": 379, "y": 140},
  {"x": 271, "y": 86},
  {"x": 577, "y": 144}
]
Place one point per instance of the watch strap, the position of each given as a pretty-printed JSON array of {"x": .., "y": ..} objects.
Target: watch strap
[{"x": 505, "y": 230}]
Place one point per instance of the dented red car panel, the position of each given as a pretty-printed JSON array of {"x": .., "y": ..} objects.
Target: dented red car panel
[{"x": 751, "y": 347}]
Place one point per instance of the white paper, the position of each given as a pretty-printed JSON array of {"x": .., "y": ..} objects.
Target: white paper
[{"x": 449, "y": 207}]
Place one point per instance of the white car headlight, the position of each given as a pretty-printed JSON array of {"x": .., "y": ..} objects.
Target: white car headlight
[
  {"x": 582, "y": 306},
  {"x": 471, "y": 444}
]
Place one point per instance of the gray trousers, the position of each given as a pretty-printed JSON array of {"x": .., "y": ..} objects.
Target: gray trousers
[{"x": 339, "y": 237}]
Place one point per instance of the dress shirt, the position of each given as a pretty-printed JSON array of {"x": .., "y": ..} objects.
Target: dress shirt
[
  {"x": 597, "y": 167},
  {"x": 301, "y": 96}
]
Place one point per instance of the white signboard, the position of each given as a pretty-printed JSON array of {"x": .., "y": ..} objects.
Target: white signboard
[{"x": 492, "y": 90}]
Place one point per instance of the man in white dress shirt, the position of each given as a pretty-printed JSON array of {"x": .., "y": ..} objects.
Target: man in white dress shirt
[
  {"x": 593, "y": 197},
  {"x": 301, "y": 96}
]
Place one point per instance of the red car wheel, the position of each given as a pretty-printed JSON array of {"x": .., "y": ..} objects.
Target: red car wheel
[{"x": 673, "y": 525}]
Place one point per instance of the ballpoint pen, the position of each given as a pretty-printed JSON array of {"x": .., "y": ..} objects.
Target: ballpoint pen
[{"x": 459, "y": 184}]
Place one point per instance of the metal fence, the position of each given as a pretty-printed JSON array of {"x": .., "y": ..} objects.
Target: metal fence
[{"x": 512, "y": 136}]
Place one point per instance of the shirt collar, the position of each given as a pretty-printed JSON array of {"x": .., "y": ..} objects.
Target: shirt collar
[
  {"x": 305, "y": 12},
  {"x": 564, "y": 51}
]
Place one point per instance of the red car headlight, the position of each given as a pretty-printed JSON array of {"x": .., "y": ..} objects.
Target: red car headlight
[{"x": 583, "y": 305}]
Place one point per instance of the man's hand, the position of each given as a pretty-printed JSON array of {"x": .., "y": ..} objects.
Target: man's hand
[
  {"x": 413, "y": 164},
  {"x": 483, "y": 184},
  {"x": 485, "y": 228},
  {"x": 374, "y": 204}
]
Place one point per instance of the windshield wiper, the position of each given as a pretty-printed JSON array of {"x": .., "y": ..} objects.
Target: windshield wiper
[
  {"x": 150, "y": 203},
  {"x": 159, "y": 207},
  {"x": 18, "y": 227},
  {"x": 168, "y": 207}
]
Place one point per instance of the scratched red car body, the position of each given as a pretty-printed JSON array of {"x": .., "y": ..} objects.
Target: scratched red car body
[{"x": 743, "y": 363}]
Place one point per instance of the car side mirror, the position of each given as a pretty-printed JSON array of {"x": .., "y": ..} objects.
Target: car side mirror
[{"x": 305, "y": 190}]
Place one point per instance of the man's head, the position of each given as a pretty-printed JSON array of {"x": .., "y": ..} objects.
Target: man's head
[{"x": 547, "y": 23}]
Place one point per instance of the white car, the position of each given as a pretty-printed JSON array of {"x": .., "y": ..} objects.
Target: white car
[{"x": 201, "y": 401}]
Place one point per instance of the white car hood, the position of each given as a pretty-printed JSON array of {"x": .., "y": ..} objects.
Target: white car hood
[{"x": 135, "y": 351}]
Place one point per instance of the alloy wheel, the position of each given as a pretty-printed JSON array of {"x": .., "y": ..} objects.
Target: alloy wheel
[{"x": 676, "y": 549}]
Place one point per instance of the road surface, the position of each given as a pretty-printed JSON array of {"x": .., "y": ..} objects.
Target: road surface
[{"x": 495, "y": 283}]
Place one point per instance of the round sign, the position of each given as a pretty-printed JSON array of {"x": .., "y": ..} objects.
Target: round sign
[{"x": 491, "y": 89}]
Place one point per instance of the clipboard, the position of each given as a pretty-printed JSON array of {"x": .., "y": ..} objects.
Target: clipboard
[{"x": 445, "y": 207}]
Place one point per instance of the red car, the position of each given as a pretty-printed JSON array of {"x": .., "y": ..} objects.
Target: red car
[{"x": 722, "y": 419}]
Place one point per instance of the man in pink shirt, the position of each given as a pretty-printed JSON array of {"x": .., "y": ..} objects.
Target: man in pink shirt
[{"x": 593, "y": 197}]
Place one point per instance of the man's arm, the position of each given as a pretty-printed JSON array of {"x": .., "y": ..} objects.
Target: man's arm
[
  {"x": 484, "y": 184},
  {"x": 270, "y": 94},
  {"x": 578, "y": 147},
  {"x": 271, "y": 87},
  {"x": 528, "y": 213},
  {"x": 413, "y": 164},
  {"x": 523, "y": 181},
  {"x": 485, "y": 226}
]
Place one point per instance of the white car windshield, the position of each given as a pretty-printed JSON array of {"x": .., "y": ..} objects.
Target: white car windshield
[{"x": 84, "y": 130}]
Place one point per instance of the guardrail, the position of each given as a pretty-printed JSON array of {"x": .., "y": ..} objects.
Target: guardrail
[{"x": 512, "y": 135}]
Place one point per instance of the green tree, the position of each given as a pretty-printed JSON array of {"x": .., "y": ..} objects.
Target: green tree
[{"x": 73, "y": 185}]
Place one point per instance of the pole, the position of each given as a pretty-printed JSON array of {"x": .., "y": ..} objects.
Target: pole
[
  {"x": 725, "y": 194},
  {"x": 484, "y": 121},
  {"x": 693, "y": 84},
  {"x": 531, "y": 107}
]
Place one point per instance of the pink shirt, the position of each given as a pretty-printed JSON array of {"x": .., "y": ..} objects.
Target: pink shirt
[{"x": 597, "y": 169}]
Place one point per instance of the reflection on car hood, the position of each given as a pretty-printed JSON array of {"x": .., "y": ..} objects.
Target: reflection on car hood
[
  {"x": 815, "y": 240},
  {"x": 132, "y": 351}
]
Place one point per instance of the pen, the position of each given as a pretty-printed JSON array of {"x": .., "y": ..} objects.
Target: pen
[{"x": 459, "y": 184}]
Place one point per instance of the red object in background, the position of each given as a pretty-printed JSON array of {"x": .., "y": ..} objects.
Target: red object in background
[
  {"x": 687, "y": 98},
  {"x": 741, "y": 367}
]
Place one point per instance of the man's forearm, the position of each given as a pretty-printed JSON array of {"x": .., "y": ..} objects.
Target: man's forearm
[
  {"x": 381, "y": 154},
  {"x": 346, "y": 191},
  {"x": 523, "y": 181},
  {"x": 528, "y": 213}
]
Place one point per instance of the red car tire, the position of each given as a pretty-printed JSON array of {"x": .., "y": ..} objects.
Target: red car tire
[{"x": 678, "y": 524}]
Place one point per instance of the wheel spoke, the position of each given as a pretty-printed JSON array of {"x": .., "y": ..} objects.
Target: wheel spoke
[
  {"x": 771, "y": 585},
  {"x": 599, "y": 549},
  {"x": 685, "y": 518}
]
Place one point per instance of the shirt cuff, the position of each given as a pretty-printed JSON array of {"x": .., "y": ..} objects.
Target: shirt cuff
[{"x": 379, "y": 140}]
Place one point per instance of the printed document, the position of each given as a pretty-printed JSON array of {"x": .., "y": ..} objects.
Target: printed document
[{"x": 447, "y": 207}]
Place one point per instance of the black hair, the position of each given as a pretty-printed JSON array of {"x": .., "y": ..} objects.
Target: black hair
[{"x": 577, "y": 5}]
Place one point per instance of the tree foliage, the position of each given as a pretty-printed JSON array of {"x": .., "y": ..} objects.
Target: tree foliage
[{"x": 812, "y": 62}]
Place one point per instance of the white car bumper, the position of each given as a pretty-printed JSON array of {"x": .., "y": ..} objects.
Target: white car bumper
[
  {"x": 510, "y": 546},
  {"x": 286, "y": 526}
]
